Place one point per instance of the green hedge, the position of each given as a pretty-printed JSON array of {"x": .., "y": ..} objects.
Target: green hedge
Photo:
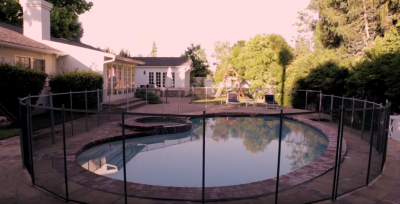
[
  {"x": 19, "y": 82},
  {"x": 76, "y": 81}
]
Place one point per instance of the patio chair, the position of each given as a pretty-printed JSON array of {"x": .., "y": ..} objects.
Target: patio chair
[
  {"x": 232, "y": 98},
  {"x": 270, "y": 101}
]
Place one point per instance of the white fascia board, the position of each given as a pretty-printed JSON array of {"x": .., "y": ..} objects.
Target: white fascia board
[{"x": 22, "y": 47}]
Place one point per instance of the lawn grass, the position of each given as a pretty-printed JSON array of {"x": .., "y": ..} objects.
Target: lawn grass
[
  {"x": 217, "y": 101},
  {"x": 7, "y": 132}
]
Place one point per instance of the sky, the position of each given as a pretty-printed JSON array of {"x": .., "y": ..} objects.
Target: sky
[{"x": 174, "y": 24}]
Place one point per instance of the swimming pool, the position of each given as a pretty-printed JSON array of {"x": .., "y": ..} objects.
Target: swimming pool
[{"x": 239, "y": 150}]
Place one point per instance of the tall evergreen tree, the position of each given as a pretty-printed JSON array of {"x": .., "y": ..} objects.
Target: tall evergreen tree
[
  {"x": 199, "y": 59},
  {"x": 353, "y": 24},
  {"x": 64, "y": 16},
  {"x": 153, "y": 52},
  {"x": 124, "y": 53}
]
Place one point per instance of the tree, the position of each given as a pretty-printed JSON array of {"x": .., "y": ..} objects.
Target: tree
[
  {"x": 108, "y": 50},
  {"x": 199, "y": 59},
  {"x": 124, "y": 53},
  {"x": 153, "y": 52},
  {"x": 265, "y": 58},
  {"x": 64, "y": 16},
  {"x": 222, "y": 55},
  {"x": 353, "y": 24},
  {"x": 11, "y": 12}
]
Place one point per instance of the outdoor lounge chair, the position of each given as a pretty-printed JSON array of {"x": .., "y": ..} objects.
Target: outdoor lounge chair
[
  {"x": 270, "y": 101},
  {"x": 232, "y": 98}
]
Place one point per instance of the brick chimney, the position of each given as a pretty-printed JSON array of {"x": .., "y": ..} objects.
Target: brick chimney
[{"x": 36, "y": 14}]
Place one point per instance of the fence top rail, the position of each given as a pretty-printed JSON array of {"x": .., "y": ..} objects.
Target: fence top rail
[{"x": 23, "y": 100}]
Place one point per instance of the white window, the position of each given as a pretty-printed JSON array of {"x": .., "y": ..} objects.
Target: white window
[
  {"x": 158, "y": 79},
  {"x": 151, "y": 77},
  {"x": 164, "y": 77},
  {"x": 173, "y": 79},
  {"x": 24, "y": 62},
  {"x": 38, "y": 64}
]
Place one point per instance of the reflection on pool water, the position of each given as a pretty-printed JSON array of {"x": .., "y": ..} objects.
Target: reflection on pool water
[{"x": 238, "y": 150}]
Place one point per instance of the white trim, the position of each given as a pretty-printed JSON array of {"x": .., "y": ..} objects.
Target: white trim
[
  {"x": 32, "y": 49},
  {"x": 37, "y": 3}
]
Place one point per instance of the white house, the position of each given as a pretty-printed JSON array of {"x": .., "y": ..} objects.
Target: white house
[
  {"x": 154, "y": 71},
  {"x": 33, "y": 47}
]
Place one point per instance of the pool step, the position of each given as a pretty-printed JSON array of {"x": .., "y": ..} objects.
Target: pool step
[{"x": 122, "y": 104}]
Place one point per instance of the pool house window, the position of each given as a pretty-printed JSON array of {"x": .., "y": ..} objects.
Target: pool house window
[
  {"x": 158, "y": 79},
  {"x": 173, "y": 80},
  {"x": 151, "y": 77},
  {"x": 164, "y": 76}
]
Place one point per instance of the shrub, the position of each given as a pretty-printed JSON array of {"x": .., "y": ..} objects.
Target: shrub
[
  {"x": 76, "y": 81},
  {"x": 18, "y": 82},
  {"x": 152, "y": 98}
]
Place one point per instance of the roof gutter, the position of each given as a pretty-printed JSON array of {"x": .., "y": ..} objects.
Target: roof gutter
[{"x": 12, "y": 45}]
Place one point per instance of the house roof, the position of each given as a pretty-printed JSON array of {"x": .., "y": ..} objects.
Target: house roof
[
  {"x": 12, "y": 36},
  {"x": 126, "y": 59},
  {"x": 74, "y": 43},
  {"x": 165, "y": 61},
  {"x": 83, "y": 45}
]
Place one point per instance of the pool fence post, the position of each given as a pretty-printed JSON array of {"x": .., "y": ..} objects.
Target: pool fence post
[
  {"x": 53, "y": 135},
  {"x": 342, "y": 101},
  {"x": 363, "y": 119},
  {"x": 370, "y": 145},
  {"x": 109, "y": 105},
  {"x": 206, "y": 97},
  {"x": 279, "y": 156},
  {"x": 387, "y": 115},
  {"x": 352, "y": 118},
  {"x": 335, "y": 175},
  {"x": 98, "y": 107},
  {"x": 20, "y": 132},
  {"x": 29, "y": 126},
  {"x": 192, "y": 98},
  {"x": 378, "y": 141},
  {"x": 383, "y": 135},
  {"x": 72, "y": 114},
  {"x": 146, "y": 99},
  {"x": 124, "y": 156},
  {"x": 320, "y": 104},
  {"x": 340, "y": 150},
  {"x": 87, "y": 128},
  {"x": 378, "y": 136},
  {"x": 330, "y": 122},
  {"x": 127, "y": 101},
  {"x": 65, "y": 153},
  {"x": 163, "y": 100},
  {"x": 204, "y": 155},
  {"x": 305, "y": 108}
]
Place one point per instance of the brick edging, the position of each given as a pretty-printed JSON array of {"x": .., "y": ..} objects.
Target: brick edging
[{"x": 78, "y": 174}]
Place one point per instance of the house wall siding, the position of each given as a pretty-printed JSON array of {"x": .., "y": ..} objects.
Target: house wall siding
[
  {"x": 143, "y": 79},
  {"x": 8, "y": 55}
]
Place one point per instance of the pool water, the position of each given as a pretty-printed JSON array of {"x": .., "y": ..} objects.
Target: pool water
[{"x": 238, "y": 151}]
